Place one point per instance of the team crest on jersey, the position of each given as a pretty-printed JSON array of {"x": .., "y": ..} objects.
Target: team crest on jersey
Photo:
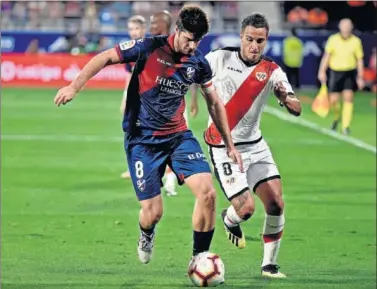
[
  {"x": 127, "y": 45},
  {"x": 261, "y": 76},
  {"x": 190, "y": 72},
  {"x": 141, "y": 185}
]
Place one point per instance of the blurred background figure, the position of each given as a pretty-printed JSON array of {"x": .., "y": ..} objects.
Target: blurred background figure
[
  {"x": 160, "y": 23},
  {"x": 344, "y": 57},
  {"x": 136, "y": 29},
  {"x": 293, "y": 54}
]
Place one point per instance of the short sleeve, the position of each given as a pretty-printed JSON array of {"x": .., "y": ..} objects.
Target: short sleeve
[
  {"x": 359, "y": 49},
  {"x": 279, "y": 76},
  {"x": 129, "y": 51},
  {"x": 329, "y": 48},
  {"x": 205, "y": 75}
]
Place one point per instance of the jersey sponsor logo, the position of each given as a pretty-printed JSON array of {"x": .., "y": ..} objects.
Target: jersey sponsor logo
[
  {"x": 172, "y": 86},
  {"x": 261, "y": 76},
  {"x": 234, "y": 69},
  {"x": 164, "y": 62},
  {"x": 127, "y": 45},
  {"x": 190, "y": 72}
]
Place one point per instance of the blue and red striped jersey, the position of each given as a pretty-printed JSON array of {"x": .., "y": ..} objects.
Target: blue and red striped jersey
[{"x": 161, "y": 77}]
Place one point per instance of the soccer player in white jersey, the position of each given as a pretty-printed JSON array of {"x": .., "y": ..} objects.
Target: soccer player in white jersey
[{"x": 244, "y": 78}]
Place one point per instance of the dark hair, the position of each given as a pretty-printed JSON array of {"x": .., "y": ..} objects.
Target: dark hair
[
  {"x": 256, "y": 20},
  {"x": 193, "y": 19}
]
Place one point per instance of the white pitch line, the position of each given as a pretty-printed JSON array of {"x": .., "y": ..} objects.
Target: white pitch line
[
  {"x": 112, "y": 139},
  {"x": 316, "y": 127}
]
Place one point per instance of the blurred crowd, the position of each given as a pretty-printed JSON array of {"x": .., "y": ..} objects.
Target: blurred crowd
[{"x": 101, "y": 16}]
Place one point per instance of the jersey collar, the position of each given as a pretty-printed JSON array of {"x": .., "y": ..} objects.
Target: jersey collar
[
  {"x": 171, "y": 41},
  {"x": 248, "y": 63}
]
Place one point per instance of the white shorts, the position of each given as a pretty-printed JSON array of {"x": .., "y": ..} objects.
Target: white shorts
[{"x": 258, "y": 163}]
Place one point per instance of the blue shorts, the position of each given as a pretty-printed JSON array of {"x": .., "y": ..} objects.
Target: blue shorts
[{"x": 148, "y": 156}]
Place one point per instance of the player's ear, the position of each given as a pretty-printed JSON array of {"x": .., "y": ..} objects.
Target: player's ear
[{"x": 176, "y": 30}]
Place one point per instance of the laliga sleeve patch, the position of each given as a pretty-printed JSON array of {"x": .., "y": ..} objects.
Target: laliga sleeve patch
[{"x": 127, "y": 45}]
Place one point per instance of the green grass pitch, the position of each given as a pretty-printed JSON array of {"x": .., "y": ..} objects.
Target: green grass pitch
[{"x": 69, "y": 221}]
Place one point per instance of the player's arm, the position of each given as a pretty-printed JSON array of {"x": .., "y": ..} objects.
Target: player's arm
[
  {"x": 284, "y": 92},
  {"x": 325, "y": 61},
  {"x": 360, "y": 64},
  {"x": 121, "y": 53},
  {"x": 95, "y": 65},
  {"x": 216, "y": 107},
  {"x": 217, "y": 111},
  {"x": 194, "y": 99}
]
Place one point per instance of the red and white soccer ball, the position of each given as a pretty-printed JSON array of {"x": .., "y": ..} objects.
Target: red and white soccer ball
[{"x": 206, "y": 270}]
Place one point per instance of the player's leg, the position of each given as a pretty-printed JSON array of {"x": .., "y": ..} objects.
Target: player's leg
[
  {"x": 235, "y": 187},
  {"x": 170, "y": 182},
  {"x": 350, "y": 86},
  {"x": 170, "y": 177},
  {"x": 264, "y": 178},
  {"x": 147, "y": 164},
  {"x": 189, "y": 163},
  {"x": 335, "y": 88},
  {"x": 150, "y": 214}
]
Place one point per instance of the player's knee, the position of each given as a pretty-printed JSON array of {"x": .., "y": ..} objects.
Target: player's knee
[
  {"x": 208, "y": 197},
  {"x": 275, "y": 207},
  {"x": 247, "y": 210},
  {"x": 154, "y": 215}
]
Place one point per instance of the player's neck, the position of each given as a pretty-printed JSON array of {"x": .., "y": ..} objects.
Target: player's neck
[
  {"x": 175, "y": 44},
  {"x": 247, "y": 62}
]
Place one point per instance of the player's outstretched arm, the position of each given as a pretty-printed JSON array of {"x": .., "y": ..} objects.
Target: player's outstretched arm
[
  {"x": 98, "y": 62},
  {"x": 287, "y": 99},
  {"x": 218, "y": 114},
  {"x": 194, "y": 108}
]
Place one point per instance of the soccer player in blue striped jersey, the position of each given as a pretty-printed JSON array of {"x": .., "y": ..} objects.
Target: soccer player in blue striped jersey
[{"x": 156, "y": 133}]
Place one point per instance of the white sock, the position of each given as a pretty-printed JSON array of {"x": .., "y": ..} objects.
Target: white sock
[
  {"x": 232, "y": 219},
  {"x": 272, "y": 232},
  {"x": 170, "y": 180}
]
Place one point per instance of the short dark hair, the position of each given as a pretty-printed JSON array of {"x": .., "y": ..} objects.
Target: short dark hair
[
  {"x": 256, "y": 20},
  {"x": 193, "y": 19}
]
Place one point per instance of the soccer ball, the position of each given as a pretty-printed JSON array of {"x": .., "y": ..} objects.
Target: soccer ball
[{"x": 206, "y": 270}]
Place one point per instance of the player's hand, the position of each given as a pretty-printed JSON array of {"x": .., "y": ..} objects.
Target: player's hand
[
  {"x": 234, "y": 154},
  {"x": 280, "y": 92},
  {"x": 360, "y": 83},
  {"x": 194, "y": 109},
  {"x": 64, "y": 95},
  {"x": 322, "y": 77}
]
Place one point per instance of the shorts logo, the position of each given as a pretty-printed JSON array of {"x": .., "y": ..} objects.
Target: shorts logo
[
  {"x": 261, "y": 76},
  {"x": 127, "y": 45},
  {"x": 196, "y": 156},
  {"x": 230, "y": 181},
  {"x": 190, "y": 72},
  {"x": 141, "y": 185}
]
